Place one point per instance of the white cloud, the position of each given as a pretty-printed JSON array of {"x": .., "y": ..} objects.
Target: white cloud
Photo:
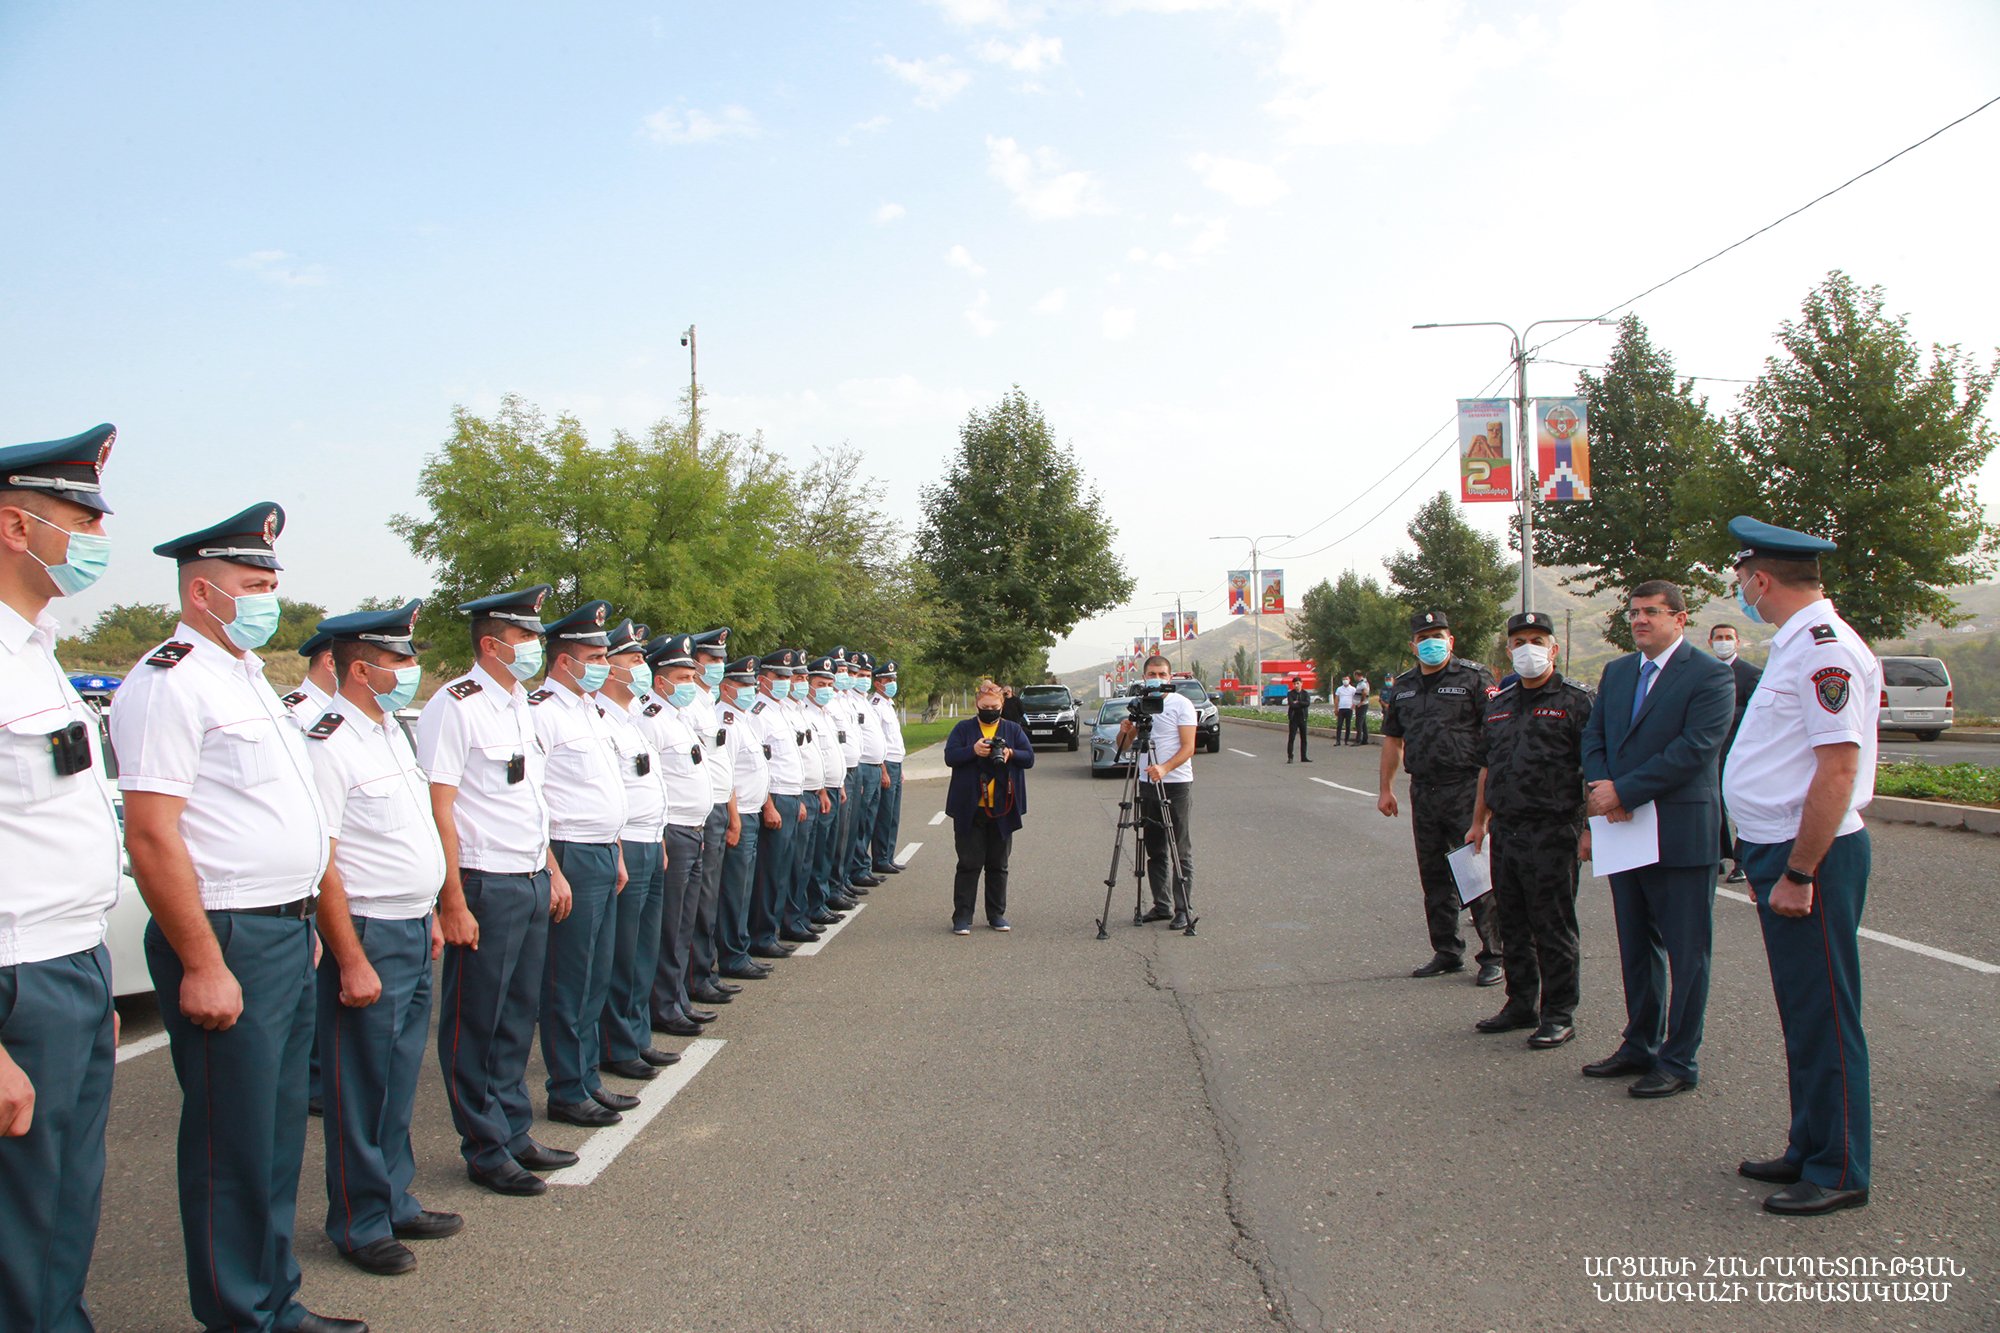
[
  {"x": 959, "y": 257},
  {"x": 281, "y": 268},
  {"x": 872, "y": 125},
  {"x": 1031, "y": 55},
  {"x": 1208, "y": 236},
  {"x": 1119, "y": 323},
  {"x": 1054, "y": 302},
  {"x": 674, "y": 125},
  {"x": 888, "y": 213},
  {"x": 981, "y": 323},
  {"x": 1247, "y": 184},
  {"x": 1041, "y": 187},
  {"x": 937, "y": 80},
  {"x": 988, "y": 13}
]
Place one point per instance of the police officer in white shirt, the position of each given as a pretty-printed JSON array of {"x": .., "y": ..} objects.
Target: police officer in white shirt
[
  {"x": 59, "y": 843},
  {"x": 669, "y": 719},
  {"x": 795, "y": 917},
  {"x": 1796, "y": 778},
  {"x": 722, "y": 828},
  {"x": 1170, "y": 778},
  {"x": 228, "y": 842},
  {"x": 744, "y": 739},
  {"x": 476, "y": 742},
  {"x": 868, "y": 783},
  {"x": 316, "y": 691},
  {"x": 847, "y": 705},
  {"x": 586, "y": 799},
  {"x": 824, "y": 901},
  {"x": 377, "y": 919},
  {"x": 777, "y": 846},
  {"x": 889, "y": 806}
]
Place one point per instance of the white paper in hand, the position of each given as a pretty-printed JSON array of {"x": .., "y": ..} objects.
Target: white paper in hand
[
  {"x": 1473, "y": 871},
  {"x": 1627, "y": 846}
]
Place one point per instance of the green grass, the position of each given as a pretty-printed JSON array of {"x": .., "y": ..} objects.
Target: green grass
[
  {"x": 916, "y": 735},
  {"x": 1961, "y": 784}
]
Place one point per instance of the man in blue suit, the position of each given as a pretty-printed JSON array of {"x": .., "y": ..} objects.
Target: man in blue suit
[{"x": 1656, "y": 736}]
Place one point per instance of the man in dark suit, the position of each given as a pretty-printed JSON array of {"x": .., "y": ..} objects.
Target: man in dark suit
[
  {"x": 1723, "y": 642},
  {"x": 1656, "y": 736}
]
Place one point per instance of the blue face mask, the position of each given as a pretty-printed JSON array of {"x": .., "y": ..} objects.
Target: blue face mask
[
  {"x": 527, "y": 660},
  {"x": 255, "y": 622},
  {"x": 798, "y": 690},
  {"x": 890, "y": 689},
  {"x": 1749, "y": 612},
  {"x": 711, "y": 674},
  {"x": 407, "y": 679},
  {"x": 89, "y": 556},
  {"x": 1433, "y": 652},
  {"x": 840, "y": 679},
  {"x": 594, "y": 676},
  {"x": 746, "y": 696},
  {"x": 715, "y": 694},
  {"x": 822, "y": 695},
  {"x": 683, "y": 694}
]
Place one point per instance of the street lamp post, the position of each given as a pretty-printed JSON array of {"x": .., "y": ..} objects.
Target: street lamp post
[
  {"x": 1524, "y": 471},
  {"x": 694, "y": 395},
  {"x": 1257, "y": 599},
  {"x": 1180, "y": 622}
]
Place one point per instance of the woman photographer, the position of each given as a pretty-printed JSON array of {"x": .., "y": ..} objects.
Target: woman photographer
[{"x": 988, "y": 757}]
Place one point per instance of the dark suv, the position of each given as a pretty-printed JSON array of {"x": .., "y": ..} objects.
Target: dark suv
[{"x": 1051, "y": 713}]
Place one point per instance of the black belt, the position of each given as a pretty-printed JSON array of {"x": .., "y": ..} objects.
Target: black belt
[{"x": 299, "y": 908}]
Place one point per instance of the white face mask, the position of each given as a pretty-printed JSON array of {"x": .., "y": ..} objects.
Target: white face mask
[
  {"x": 1532, "y": 660},
  {"x": 1724, "y": 648}
]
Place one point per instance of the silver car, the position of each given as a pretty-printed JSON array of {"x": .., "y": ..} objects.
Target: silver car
[
  {"x": 1916, "y": 697},
  {"x": 1106, "y": 759}
]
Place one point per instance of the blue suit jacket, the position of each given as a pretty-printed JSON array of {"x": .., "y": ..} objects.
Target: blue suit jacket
[
  {"x": 961, "y": 801},
  {"x": 1672, "y": 752}
]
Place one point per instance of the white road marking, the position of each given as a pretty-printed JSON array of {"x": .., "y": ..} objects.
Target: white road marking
[
  {"x": 937, "y": 819},
  {"x": 1245, "y": 753},
  {"x": 1337, "y": 787},
  {"x": 909, "y": 850},
  {"x": 808, "y": 950},
  {"x": 133, "y": 1050},
  {"x": 601, "y": 1149},
  {"x": 1927, "y": 950}
]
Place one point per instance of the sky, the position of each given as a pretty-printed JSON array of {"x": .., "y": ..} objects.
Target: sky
[{"x": 277, "y": 243}]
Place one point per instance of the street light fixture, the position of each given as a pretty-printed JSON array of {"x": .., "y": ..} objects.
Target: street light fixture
[
  {"x": 694, "y": 396},
  {"x": 1180, "y": 621},
  {"x": 1256, "y": 597}
]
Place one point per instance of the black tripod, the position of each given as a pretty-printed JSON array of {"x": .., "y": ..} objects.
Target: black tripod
[{"x": 1132, "y": 818}]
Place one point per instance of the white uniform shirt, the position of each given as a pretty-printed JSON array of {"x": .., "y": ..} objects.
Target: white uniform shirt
[
  {"x": 585, "y": 793},
  {"x": 194, "y": 721},
  {"x": 826, "y": 739},
  {"x": 307, "y": 702},
  {"x": 746, "y": 744},
  {"x": 781, "y": 739},
  {"x": 378, "y": 811},
  {"x": 873, "y": 745},
  {"x": 1344, "y": 697},
  {"x": 684, "y": 760},
  {"x": 58, "y": 835},
  {"x": 1821, "y": 686},
  {"x": 847, "y": 709},
  {"x": 645, "y": 793},
  {"x": 704, "y": 717},
  {"x": 810, "y": 762},
  {"x": 467, "y": 736},
  {"x": 1166, "y": 735},
  {"x": 892, "y": 727}
]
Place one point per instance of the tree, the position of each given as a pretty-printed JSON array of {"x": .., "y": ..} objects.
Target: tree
[
  {"x": 1455, "y": 569},
  {"x": 1016, "y": 545},
  {"x": 1647, "y": 429},
  {"x": 119, "y": 637},
  {"x": 1848, "y": 435},
  {"x": 1350, "y": 625},
  {"x": 1239, "y": 664}
]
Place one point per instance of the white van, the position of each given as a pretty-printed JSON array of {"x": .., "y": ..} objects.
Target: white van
[{"x": 1916, "y": 697}]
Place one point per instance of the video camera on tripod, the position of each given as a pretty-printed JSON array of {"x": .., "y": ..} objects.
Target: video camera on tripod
[{"x": 1147, "y": 702}]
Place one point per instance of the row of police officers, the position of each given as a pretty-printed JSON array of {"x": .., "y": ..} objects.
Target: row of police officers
[{"x": 604, "y": 833}]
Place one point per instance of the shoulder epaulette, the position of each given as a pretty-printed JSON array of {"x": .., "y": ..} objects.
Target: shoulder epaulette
[
  {"x": 294, "y": 699},
  {"x": 652, "y": 709},
  {"x": 541, "y": 696},
  {"x": 169, "y": 654},
  {"x": 1823, "y": 634},
  {"x": 757, "y": 707},
  {"x": 328, "y": 724},
  {"x": 465, "y": 689}
]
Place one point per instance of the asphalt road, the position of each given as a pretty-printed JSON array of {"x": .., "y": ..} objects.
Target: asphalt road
[
  {"x": 1898, "y": 745},
  {"x": 1269, "y": 1125}
]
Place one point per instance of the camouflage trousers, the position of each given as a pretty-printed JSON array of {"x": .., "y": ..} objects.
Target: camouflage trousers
[{"x": 1534, "y": 890}]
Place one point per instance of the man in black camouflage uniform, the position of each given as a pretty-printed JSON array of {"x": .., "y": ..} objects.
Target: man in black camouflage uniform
[
  {"x": 1531, "y": 796},
  {"x": 1434, "y": 726}
]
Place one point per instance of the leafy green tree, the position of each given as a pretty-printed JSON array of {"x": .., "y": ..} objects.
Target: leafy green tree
[
  {"x": 1456, "y": 569},
  {"x": 119, "y": 637},
  {"x": 1016, "y": 545},
  {"x": 1647, "y": 428},
  {"x": 1350, "y": 625},
  {"x": 1239, "y": 664}
]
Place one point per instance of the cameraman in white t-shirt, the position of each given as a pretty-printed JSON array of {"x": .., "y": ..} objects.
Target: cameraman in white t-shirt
[{"x": 1170, "y": 775}]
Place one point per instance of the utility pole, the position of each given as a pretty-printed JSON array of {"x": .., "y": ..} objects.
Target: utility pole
[
  {"x": 694, "y": 396},
  {"x": 1180, "y": 623},
  {"x": 1524, "y": 470},
  {"x": 1256, "y": 600}
]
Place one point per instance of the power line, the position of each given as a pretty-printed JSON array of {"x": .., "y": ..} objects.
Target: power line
[
  {"x": 1590, "y": 365},
  {"x": 1449, "y": 446}
]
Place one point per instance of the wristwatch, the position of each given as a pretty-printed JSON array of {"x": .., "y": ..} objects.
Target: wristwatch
[{"x": 1798, "y": 876}]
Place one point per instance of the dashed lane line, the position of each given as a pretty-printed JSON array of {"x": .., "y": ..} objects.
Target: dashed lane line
[{"x": 1927, "y": 950}]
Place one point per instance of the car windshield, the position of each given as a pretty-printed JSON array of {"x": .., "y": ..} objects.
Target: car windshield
[
  {"x": 1112, "y": 713},
  {"x": 1193, "y": 690},
  {"x": 1901, "y": 672},
  {"x": 1045, "y": 696}
]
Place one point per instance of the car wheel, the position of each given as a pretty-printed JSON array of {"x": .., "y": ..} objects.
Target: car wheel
[{"x": 1927, "y": 735}]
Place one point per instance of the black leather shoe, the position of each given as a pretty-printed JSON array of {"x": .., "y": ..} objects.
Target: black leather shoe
[
  {"x": 319, "y": 1323},
  {"x": 1611, "y": 1066},
  {"x": 856, "y": 889},
  {"x": 791, "y": 936},
  {"x": 840, "y": 902},
  {"x": 1439, "y": 965},
  {"x": 633, "y": 1068},
  {"x": 1179, "y": 921},
  {"x": 1490, "y": 974},
  {"x": 1735, "y": 876},
  {"x": 828, "y": 919},
  {"x": 702, "y": 1016},
  {"x": 1156, "y": 913},
  {"x": 678, "y": 1027},
  {"x": 746, "y": 974},
  {"x": 508, "y": 1179},
  {"x": 865, "y": 881},
  {"x": 1802, "y": 1198},
  {"x": 725, "y": 988},
  {"x": 885, "y": 870},
  {"x": 1551, "y": 1035},
  {"x": 613, "y": 1101},
  {"x": 659, "y": 1059},
  {"x": 774, "y": 953},
  {"x": 429, "y": 1225},
  {"x": 1660, "y": 1083},
  {"x": 713, "y": 994},
  {"x": 541, "y": 1157},
  {"x": 1507, "y": 1020},
  {"x": 1775, "y": 1171},
  {"x": 586, "y": 1113},
  {"x": 387, "y": 1257},
  {"x": 1304, "y": 760}
]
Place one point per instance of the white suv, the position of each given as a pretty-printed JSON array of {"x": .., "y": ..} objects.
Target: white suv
[{"x": 1916, "y": 697}]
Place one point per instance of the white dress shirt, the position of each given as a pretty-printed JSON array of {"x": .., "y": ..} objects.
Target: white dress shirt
[
  {"x": 307, "y": 702},
  {"x": 826, "y": 739},
  {"x": 848, "y": 709},
  {"x": 704, "y": 718},
  {"x": 752, "y": 763},
  {"x": 782, "y": 742},
  {"x": 645, "y": 793},
  {"x": 684, "y": 760},
  {"x": 873, "y": 745},
  {"x": 467, "y": 736},
  {"x": 892, "y": 727},
  {"x": 810, "y": 763},
  {"x": 586, "y": 795},
  {"x": 378, "y": 812}
]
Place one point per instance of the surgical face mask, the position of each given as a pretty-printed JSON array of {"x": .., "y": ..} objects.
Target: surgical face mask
[
  {"x": 255, "y": 621},
  {"x": 407, "y": 679},
  {"x": 989, "y": 715},
  {"x": 639, "y": 677},
  {"x": 89, "y": 556},
  {"x": 1433, "y": 652},
  {"x": 526, "y": 661},
  {"x": 890, "y": 689},
  {"x": 822, "y": 695},
  {"x": 841, "y": 680},
  {"x": 1157, "y": 680},
  {"x": 593, "y": 677},
  {"x": 683, "y": 694},
  {"x": 711, "y": 674},
  {"x": 746, "y": 695},
  {"x": 1532, "y": 660},
  {"x": 1723, "y": 648},
  {"x": 1749, "y": 609},
  {"x": 801, "y": 690}
]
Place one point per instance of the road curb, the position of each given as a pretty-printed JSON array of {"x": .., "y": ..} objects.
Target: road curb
[{"x": 1936, "y": 814}]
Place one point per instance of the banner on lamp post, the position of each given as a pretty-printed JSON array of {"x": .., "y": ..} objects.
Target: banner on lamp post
[
  {"x": 1485, "y": 449},
  {"x": 1272, "y": 595},
  {"x": 1169, "y": 629},
  {"x": 1562, "y": 448},
  {"x": 1187, "y": 627},
  {"x": 1239, "y": 592}
]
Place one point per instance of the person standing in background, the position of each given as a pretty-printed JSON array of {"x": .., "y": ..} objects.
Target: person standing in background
[
  {"x": 988, "y": 757},
  {"x": 1343, "y": 705},
  {"x": 1360, "y": 709},
  {"x": 889, "y": 808},
  {"x": 1724, "y": 642},
  {"x": 1298, "y": 709}
]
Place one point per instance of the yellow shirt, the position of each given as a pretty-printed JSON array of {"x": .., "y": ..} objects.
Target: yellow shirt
[{"x": 987, "y": 789}]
